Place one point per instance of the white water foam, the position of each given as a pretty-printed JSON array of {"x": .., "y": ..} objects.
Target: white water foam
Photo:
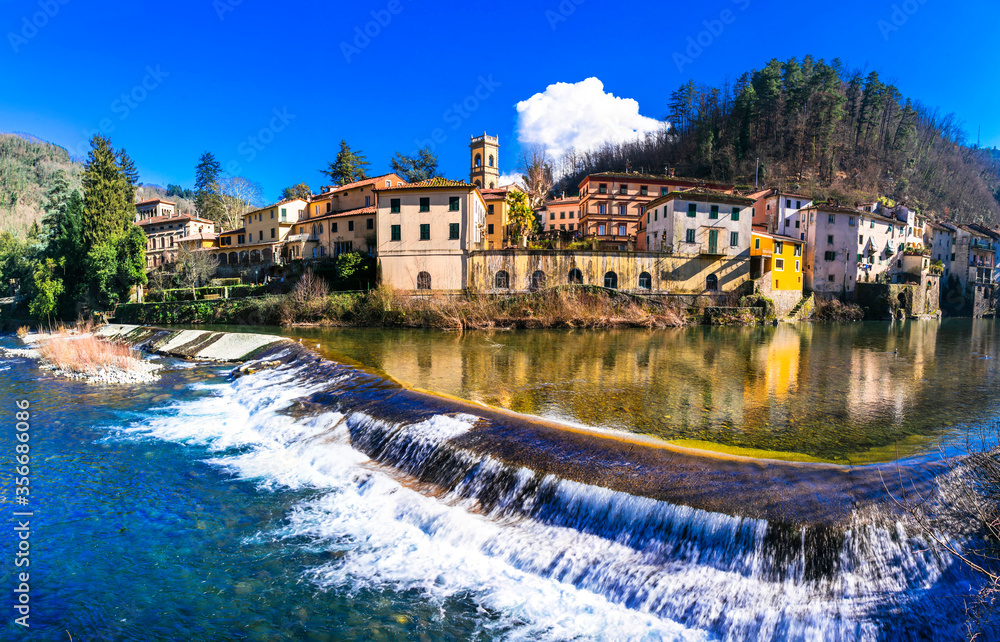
[{"x": 546, "y": 580}]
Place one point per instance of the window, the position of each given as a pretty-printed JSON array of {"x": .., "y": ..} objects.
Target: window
[
  {"x": 797, "y": 251},
  {"x": 622, "y": 230},
  {"x": 829, "y": 256},
  {"x": 571, "y": 226},
  {"x": 562, "y": 214},
  {"x": 690, "y": 236},
  {"x": 284, "y": 212},
  {"x": 333, "y": 228},
  {"x": 602, "y": 230},
  {"x": 798, "y": 266},
  {"x": 453, "y": 204},
  {"x": 873, "y": 224},
  {"x": 603, "y": 188},
  {"x": 714, "y": 212},
  {"x": 350, "y": 226},
  {"x": 489, "y": 209},
  {"x": 736, "y": 213},
  {"x": 734, "y": 239},
  {"x": 829, "y": 239},
  {"x": 388, "y": 184},
  {"x": 611, "y": 281},
  {"x": 779, "y": 265},
  {"x": 394, "y": 205},
  {"x": 798, "y": 205},
  {"x": 623, "y": 189},
  {"x": 479, "y": 161},
  {"x": 622, "y": 210},
  {"x": 572, "y": 214},
  {"x": 643, "y": 190},
  {"x": 425, "y": 232},
  {"x": 320, "y": 228},
  {"x": 491, "y": 161},
  {"x": 756, "y": 244},
  {"x": 712, "y": 283},
  {"x": 453, "y": 231},
  {"x": 850, "y": 221},
  {"x": 537, "y": 280},
  {"x": 656, "y": 214},
  {"x": 788, "y": 203},
  {"x": 425, "y": 204},
  {"x": 502, "y": 280},
  {"x": 251, "y": 236},
  {"x": 239, "y": 239},
  {"x": 830, "y": 278},
  {"x": 575, "y": 276},
  {"x": 779, "y": 247},
  {"x": 663, "y": 191},
  {"x": 692, "y": 210},
  {"x": 328, "y": 204},
  {"x": 272, "y": 232},
  {"x": 394, "y": 232},
  {"x": 552, "y": 215},
  {"x": 272, "y": 213},
  {"x": 645, "y": 281},
  {"x": 601, "y": 209},
  {"x": 424, "y": 281}
]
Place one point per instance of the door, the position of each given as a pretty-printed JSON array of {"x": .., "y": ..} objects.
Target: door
[{"x": 713, "y": 241}]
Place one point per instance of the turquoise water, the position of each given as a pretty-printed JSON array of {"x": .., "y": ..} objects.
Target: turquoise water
[{"x": 273, "y": 507}]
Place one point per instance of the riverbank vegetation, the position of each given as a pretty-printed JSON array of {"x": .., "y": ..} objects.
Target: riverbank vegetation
[
  {"x": 310, "y": 303},
  {"x": 76, "y": 352}
]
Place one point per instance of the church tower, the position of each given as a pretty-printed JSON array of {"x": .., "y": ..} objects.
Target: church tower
[{"x": 485, "y": 154}]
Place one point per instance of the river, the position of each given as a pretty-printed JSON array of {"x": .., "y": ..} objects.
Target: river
[{"x": 322, "y": 504}]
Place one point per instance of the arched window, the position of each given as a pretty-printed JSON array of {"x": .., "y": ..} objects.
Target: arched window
[
  {"x": 576, "y": 276},
  {"x": 537, "y": 280},
  {"x": 611, "y": 281},
  {"x": 255, "y": 256},
  {"x": 645, "y": 281},
  {"x": 222, "y": 258},
  {"x": 492, "y": 184},
  {"x": 479, "y": 160},
  {"x": 478, "y": 184},
  {"x": 268, "y": 255},
  {"x": 502, "y": 280},
  {"x": 233, "y": 258},
  {"x": 491, "y": 160},
  {"x": 712, "y": 283},
  {"x": 424, "y": 281}
]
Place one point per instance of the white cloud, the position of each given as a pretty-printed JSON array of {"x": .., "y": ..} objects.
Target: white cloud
[
  {"x": 580, "y": 115},
  {"x": 511, "y": 179}
]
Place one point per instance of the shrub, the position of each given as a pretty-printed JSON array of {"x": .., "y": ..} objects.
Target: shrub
[
  {"x": 834, "y": 310},
  {"x": 758, "y": 301}
]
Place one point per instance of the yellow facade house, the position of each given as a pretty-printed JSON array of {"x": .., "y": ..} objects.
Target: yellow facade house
[
  {"x": 426, "y": 231},
  {"x": 776, "y": 265}
]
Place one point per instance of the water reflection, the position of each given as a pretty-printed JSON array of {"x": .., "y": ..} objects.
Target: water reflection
[{"x": 852, "y": 392}]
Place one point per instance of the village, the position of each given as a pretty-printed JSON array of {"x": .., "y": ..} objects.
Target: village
[{"x": 658, "y": 235}]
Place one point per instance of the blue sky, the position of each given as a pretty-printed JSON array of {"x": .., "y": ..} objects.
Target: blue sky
[{"x": 271, "y": 88}]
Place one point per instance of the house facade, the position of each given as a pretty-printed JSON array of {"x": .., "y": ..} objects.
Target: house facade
[
  {"x": 612, "y": 206},
  {"x": 426, "y": 231},
  {"x": 776, "y": 266},
  {"x": 560, "y": 215},
  {"x": 778, "y": 212},
  {"x": 164, "y": 232},
  {"x": 698, "y": 221}
]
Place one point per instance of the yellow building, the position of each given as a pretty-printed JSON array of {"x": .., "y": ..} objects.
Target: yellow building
[
  {"x": 776, "y": 265},
  {"x": 485, "y": 154}
]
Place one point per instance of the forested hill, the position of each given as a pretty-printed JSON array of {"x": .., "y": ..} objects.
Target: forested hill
[
  {"x": 27, "y": 165},
  {"x": 819, "y": 128}
]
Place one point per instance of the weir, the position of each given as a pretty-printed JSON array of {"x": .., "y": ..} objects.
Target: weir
[{"x": 731, "y": 545}]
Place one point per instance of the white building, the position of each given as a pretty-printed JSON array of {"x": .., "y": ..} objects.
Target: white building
[
  {"x": 698, "y": 221},
  {"x": 779, "y": 211}
]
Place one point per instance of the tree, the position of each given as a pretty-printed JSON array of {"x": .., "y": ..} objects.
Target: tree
[
  {"x": 520, "y": 216},
  {"x": 536, "y": 166},
  {"x": 108, "y": 205},
  {"x": 296, "y": 191},
  {"x": 237, "y": 196},
  {"x": 417, "y": 168},
  {"x": 128, "y": 168},
  {"x": 47, "y": 290},
  {"x": 194, "y": 267},
  {"x": 350, "y": 166},
  {"x": 56, "y": 206},
  {"x": 206, "y": 188}
]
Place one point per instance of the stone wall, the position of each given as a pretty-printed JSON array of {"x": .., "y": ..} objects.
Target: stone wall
[
  {"x": 784, "y": 300},
  {"x": 914, "y": 300},
  {"x": 661, "y": 273}
]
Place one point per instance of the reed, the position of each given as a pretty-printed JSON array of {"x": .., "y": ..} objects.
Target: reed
[{"x": 86, "y": 353}]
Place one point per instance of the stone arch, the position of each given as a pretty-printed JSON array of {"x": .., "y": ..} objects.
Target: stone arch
[
  {"x": 424, "y": 281},
  {"x": 611, "y": 280},
  {"x": 645, "y": 281},
  {"x": 712, "y": 283},
  {"x": 537, "y": 280},
  {"x": 268, "y": 255},
  {"x": 575, "y": 276},
  {"x": 234, "y": 258},
  {"x": 221, "y": 256},
  {"x": 502, "y": 280},
  {"x": 479, "y": 161},
  {"x": 478, "y": 184},
  {"x": 254, "y": 256}
]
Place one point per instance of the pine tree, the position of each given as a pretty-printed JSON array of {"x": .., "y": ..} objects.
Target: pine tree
[
  {"x": 56, "y": 204},
  {"x": 108, "y": 205},
  {"x": 296, "y": 191},
  {"x": 350, "y": 166},
  {"x": 417, "y": 168},
  {"x": 129, "y": 170},
  {"x": 206, "y": 188}
]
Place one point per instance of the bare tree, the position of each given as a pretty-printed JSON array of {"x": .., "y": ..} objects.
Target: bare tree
[
  {"x": 194, "y": 266},
  {"x": 239, "y": 195},
  {"x": 536, "y": 166}
]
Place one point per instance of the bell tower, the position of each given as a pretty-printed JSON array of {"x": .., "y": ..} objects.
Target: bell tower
[{"x": 485, "y": 153}]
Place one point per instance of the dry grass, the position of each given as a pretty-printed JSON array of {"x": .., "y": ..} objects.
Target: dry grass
[
  {"x": 86, "y": 353},
  {"x": 22, "y": 332}
]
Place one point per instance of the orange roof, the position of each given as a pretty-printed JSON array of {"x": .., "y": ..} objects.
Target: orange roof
[
  {"x": 431, "y": 183},
  {"x": 155, "y": 200},
  {"x": 362, "y": 183}
]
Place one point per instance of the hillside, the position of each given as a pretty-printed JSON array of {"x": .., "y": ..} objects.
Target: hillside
[
  {"x": 818, "y": 128},
  {"x": 26, "y": 167}
]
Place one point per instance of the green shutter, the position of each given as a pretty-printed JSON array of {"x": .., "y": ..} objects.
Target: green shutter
[
  {"x": 714, "y": 212},
  {"x": 692, "y": 210},
  {"x": 736, "y": 213}
]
